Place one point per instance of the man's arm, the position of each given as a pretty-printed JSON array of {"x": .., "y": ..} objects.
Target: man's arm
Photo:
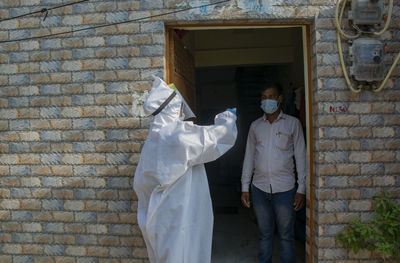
[
  {"x": 300, "y": 157},
  {"x": 248, "y": 167}
]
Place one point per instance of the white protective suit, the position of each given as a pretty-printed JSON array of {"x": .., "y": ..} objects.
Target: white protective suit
[{"x": 174, "y": 211}]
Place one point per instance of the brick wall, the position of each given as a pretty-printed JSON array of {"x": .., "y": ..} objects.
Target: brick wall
[{"x": 69, "y": 144}]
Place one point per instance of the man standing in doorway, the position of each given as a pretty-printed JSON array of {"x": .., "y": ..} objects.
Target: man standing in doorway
[{"x": 273, "y": 141}]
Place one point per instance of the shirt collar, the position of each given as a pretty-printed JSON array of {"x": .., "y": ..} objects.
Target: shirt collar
[{"x": 280, "y": 116}]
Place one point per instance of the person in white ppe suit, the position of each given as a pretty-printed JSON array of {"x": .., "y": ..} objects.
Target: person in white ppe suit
[{"x": 174, "y": 205}]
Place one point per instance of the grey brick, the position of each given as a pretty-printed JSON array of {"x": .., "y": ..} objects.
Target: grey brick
[
  {"x": 7, "y": 69},
  {"x": 50, "y": 136},
  {"x": 373, "y": 168},
  {"x": 54, "y": 250},
  {"x": 117, "y": 135},
  {"x": 118, "y": 182},
  {"x": 336, "y": 206},
  {"x": 86, "y": 239},
  {"x": 20, "y": 170},
  {"x": 117, "y": 111},
  {"x": 21, "y": 193},
  {"x": 372, "y": 144},
  {"x": 50, "y": 89},
  {"x": 23, "y": 259},
  {"x": 52, "y": 181},
  {"x": 119, "y": 229},
  {"x": 82, "y": 147},
  {"x": 118, "y": 158},
  {"x": 335, "y": 83},
  {"x": 151, "y": 51},
  {"x": 84, "y": 76},
  {"x": 154, "y": 4},
  {"x": 50, "y": 44},
  {"x": 50, "y": 2},
  {"x": 79, "y": 100},
  {"x": 51, "y": 158},
  {"x": 87, "y": 217},
  {"x": 117, "y": 40},
  {"x": 21, "y": 215},
  {"x": 333, "y": 230},
  {"x": 16, "y": 125},
  {"x": 84, "y": 194},
  {"x": 152, "y": 27},
  {"x": 18, "y": 57},
  {"x": 22, "y": 237},
  {"x": 83, "y": 53},
  {"x": 18, "y": 102},
  {"x": 336, "y": 157},
  {"x": 119, "y": 206},
  {"x": 53, "y": 227},
  {"x": 93, "y": 87},
  {"x": 85, "y": 170},
  {"x": 335, "y": 181},
  {"x": 87, "y": 260},
  {"x": 53, "y": 205},
  {"x": 341, "y": 132},
  {"x": 118, "y": 63},
  {"x": 84, "y": 33},
  {"x": 117, "y": 87},
  {"x": 19, "y": 34},
  {"x": 83, "y": 124},
  {"x": 83, "y": 8},
  {"x": 18, "y": 11},
  {"x": 51, "y": 66},
  {"x": 52, "y": 21},
  {"x": 374, "y": 120},
  {"x": 19, "y": 147},
  {"x": 147, "y": 74},
  {"x": 120, "y": 251},
  {"x": 116, "y": 17},
  {"x": 20, "y": 79}
]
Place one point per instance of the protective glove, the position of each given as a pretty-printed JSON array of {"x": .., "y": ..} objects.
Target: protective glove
[{"x": 233, "y": 110}]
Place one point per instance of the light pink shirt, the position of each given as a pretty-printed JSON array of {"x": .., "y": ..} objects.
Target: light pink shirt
[{"x": 268, "y": 162}]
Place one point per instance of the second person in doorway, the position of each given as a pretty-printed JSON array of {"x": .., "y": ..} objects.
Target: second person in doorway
[{"x": 269, "y": 174}]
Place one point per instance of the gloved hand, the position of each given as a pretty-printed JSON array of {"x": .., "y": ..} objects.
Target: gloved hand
[{"x": 233, "y": 110}]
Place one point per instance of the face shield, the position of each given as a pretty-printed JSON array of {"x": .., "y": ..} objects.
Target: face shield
[
  {"x": 187, "y": 112},
  {"x": 161, "y": 98}
]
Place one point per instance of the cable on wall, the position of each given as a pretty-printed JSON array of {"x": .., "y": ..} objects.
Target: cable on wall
[
  {"x": 43, "y": 10},
  {"x": 112, "y": 24}
]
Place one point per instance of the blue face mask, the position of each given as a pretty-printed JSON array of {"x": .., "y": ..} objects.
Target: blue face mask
[{"x": 269, "y": 106}]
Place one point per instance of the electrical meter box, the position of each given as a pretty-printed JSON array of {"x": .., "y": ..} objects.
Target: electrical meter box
[
  {"x": 367, "y": 55},
  {"x": 366, "y": 12}
]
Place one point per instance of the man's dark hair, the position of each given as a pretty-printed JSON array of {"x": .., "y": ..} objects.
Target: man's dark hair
[{"x": 272, "y": 85}]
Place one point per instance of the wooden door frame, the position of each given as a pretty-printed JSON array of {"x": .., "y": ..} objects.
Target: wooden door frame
[{"x": 306, "y": 37}]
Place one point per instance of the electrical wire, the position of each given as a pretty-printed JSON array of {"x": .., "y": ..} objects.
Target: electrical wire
[
  {"x": 389, "y": 18},
  {"x": 43, "y": 10},
  {"x": 116, "y": 23},
  {"x": 340, "y": 51},
  {"x": 338, "y": 20},
  {"x": 383, "y": 84},
  {"x": 339, "y": 40}
]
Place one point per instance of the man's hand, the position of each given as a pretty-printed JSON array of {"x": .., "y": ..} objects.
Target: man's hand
[
  {"x": 246, "y": 199},
  {"x": 299, "y": 201}
]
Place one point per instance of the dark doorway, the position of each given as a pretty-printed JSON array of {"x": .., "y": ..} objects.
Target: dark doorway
[
  {"x": 235, "y": 230},
  {"x": 228, "y": 66}
]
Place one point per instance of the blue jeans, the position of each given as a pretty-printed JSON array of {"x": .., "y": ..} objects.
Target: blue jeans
[{"x": 270, "y": 210}]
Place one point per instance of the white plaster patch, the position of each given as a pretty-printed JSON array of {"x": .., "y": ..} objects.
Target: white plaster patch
[
  {"x": 181, "y": 4},
  {"x": 205, "y": 10},
  {"x": 260, "y": 6},
  {"x": 137, "y": 104}
]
